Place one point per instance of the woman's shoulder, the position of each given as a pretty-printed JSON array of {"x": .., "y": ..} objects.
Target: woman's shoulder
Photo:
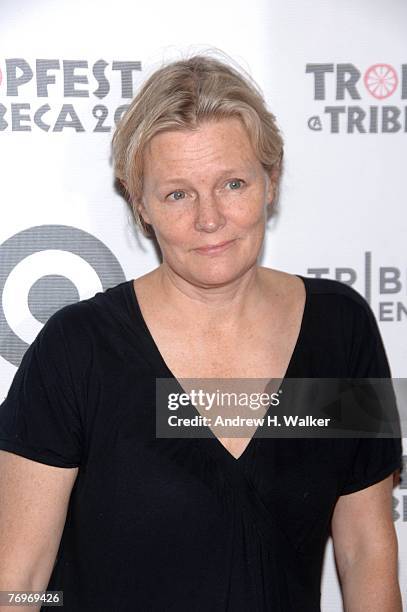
[
  {"x": 333, "y": 290},
  {"x": 330, "y": 286},
  {"x": 333, "y": 295},
  {"x": 338, "y": 320},
  {"x": 330, "y": 303},
  {"x": 90, "y": 316}
]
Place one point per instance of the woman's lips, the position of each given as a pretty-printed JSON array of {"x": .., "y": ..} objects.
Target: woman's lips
[{"x": 208, "y": 250}]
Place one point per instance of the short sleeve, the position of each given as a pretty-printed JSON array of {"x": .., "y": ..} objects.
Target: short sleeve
[
  {"x": 40, "y": 416},
  {"x": 373, "y": 459}
]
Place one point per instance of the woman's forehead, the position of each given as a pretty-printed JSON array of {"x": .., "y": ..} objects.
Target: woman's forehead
[{"x": 225, "y": 145}]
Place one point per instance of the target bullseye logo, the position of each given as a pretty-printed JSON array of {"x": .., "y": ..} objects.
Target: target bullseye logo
[
  {"x": 45, "y": 295},
  {"x": 381, "y": 80}
]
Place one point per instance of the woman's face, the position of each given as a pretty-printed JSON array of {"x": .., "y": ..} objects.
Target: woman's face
[{"x": 203, "y": 188}]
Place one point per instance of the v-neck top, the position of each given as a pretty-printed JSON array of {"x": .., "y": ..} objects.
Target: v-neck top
[{"x": 178, "y": 524}]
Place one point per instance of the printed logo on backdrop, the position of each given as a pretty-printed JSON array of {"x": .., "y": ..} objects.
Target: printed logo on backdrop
[
  {"x": 358, "y": 100},
  {"x": 46, "y": 294},
  {"x": 400, "y": 506},
  {"x": 383, "y": 286},
  {"x": 64, "y": 95}
]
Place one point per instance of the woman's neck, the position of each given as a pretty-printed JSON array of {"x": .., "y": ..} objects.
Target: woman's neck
[{"x": 230, "y": 303}]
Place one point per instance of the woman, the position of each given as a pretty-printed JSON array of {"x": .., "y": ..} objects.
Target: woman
[{"x": 138, "y": 522}]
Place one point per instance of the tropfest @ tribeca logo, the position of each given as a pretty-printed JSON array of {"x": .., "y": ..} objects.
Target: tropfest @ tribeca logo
[
  {"x": 72, "y": 90},
  {"x": 379, "y": 89}
]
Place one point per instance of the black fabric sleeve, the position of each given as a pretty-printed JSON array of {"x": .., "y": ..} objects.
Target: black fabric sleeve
[
  {"x": 40, "y": 417},
  {"x": 374, "y": 458}
]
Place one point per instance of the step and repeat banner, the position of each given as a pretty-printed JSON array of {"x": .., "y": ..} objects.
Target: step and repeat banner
[{"x": 333, "y": 73}]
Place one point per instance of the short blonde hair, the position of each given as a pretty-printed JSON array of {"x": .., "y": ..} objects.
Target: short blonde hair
[{"x": 181, "y": 95}]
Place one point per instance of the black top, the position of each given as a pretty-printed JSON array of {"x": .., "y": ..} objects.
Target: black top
[{"x": 158, "y": 524}]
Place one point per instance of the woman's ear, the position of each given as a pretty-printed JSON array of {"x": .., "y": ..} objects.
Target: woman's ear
[
  {"x": 121, "y": 187},
  {"x": 270, "y": 190},
  {"x": 140, "y": 206},
  {"x": 272, "y": 182}
]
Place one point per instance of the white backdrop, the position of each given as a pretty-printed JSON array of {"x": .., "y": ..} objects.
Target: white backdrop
[{"x": 66, "y": 67}]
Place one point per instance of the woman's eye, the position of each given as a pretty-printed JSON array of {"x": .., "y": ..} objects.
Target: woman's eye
[
  {"x": 176, "y": 194},
  {"x": 236, "y": 183}
]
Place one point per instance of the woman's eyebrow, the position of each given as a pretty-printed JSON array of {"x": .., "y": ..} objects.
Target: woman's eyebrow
[{"x": 227, "y": 172}]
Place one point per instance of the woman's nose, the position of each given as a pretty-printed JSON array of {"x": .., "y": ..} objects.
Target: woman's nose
[{"x": 209, "y": 217}]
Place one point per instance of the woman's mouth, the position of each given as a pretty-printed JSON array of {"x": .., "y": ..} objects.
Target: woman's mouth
[{"x": 215, "y": 248}]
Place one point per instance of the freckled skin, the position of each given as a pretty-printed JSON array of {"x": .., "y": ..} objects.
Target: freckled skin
[{"x": 207, "y": 204}]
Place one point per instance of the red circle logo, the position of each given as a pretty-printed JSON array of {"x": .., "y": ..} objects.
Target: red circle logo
[{"x": 381, "y": 80}]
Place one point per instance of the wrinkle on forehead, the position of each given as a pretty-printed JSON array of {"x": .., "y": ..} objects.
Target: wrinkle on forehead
[{"x": 180, "y": 154}]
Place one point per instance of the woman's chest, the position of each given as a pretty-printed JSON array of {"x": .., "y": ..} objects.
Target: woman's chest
[
  {"x": 258, "y": 352},
  {"x": 132, "y": 475}
]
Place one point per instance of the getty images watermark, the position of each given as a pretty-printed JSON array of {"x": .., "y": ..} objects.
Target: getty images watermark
[{"x": 292, "y": 407}]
